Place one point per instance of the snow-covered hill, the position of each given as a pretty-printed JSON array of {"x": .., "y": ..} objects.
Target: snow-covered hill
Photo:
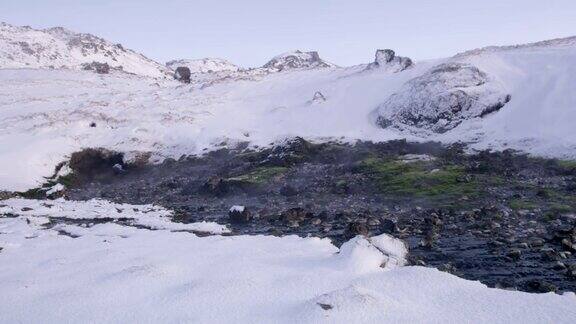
[
  {"x": 45, "y": 115},
  {"x": 25, "y": 47},
  {"x": 205, "y": 65}
]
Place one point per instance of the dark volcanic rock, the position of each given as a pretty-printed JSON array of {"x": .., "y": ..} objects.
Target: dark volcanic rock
[
  {"x": 288, "y": 191},
  {"x": 183, "y": 74},
  {"x": 100, "y": 68},
  {"x": 356, "y": 228},
  {"x": 294, "y": 215},
  {"x": 239, "y": 215},
  {"x": 95, "y": 162},
  {"x": 215, "y": 186},
  {"x": 387, "y": 59},
  {"x": 388, "y": 226}
]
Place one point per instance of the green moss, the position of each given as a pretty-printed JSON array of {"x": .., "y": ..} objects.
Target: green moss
[
  {"x": 521, "y": 204},
  {"x": 36, "y": 193},
  {"x": 569, "y": 165},
  {"x": 66, "y": 180},
  {"x": 561, "y": 208},
  {"x": 419, "y": 179},
  {"x": 260, "y": 175},
  {"x": 40, "y": 192}
]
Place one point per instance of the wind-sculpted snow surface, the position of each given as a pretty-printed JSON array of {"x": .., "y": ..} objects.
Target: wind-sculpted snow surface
[
  {"x": 56, "y": 48},
  {"x": 442, "y": 98},
  {"x": 111, "y": 273}
]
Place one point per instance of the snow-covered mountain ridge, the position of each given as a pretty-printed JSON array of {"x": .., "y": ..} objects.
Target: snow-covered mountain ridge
[
  {"x": 556, "y": 43},
  {"x": 25, "y": 47}
]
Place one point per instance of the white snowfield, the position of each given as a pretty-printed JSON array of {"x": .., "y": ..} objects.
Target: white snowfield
[
  {"x": 112, "y": 273},
  {"x": 45, "y": 115}
]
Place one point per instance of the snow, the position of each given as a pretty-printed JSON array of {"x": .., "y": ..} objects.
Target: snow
[
  {"x": 236, "y": 208},
  {"x": 56, "y": 188},
  {"x": 395, "y": 250},
  {"x": 150, "y": 216},
  {"x": 411, "y": 158},
  {"x": 45, "y": 114},
  {"x": 117, "y": 274},
  {"x": 539, "y": 117}
]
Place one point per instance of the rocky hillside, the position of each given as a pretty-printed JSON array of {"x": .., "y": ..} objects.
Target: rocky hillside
[
  {"x": 55, "y": 48},
  {"x": 297, "y": 60}
]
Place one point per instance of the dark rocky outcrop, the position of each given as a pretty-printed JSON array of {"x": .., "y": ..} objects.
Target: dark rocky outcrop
[
  {"x": 239, "y": 215},
  {"x": 92, "y": 162},
  {"x": 100, "y": 68},
  {"x": 387, "y": 59},
  {"x": 182, "y": 74}
]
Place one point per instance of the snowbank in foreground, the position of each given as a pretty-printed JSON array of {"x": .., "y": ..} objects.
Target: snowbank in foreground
[{"x": 114, "y": 273}]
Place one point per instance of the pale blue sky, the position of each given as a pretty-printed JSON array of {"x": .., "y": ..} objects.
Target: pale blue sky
[{"x": 346, "y": 32}]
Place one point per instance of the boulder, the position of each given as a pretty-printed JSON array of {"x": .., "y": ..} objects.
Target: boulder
[
  {"x": 318, "y": 98},
  {"x": 387, "y": 59},
  {"x": 182, "y": 74},
  {"x": 239, "y": 215},
  {"x": 215, "y": 186},
  {"x": 356, "y": 228},
  {"x": 294, "y": 215},
  {"x": 93, "y": 161},
  {"x": 442, "y": 98}
]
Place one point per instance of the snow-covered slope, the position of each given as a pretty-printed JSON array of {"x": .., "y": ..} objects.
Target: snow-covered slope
[
  {"x": 45, "y": 115},
  {"x": 540, "y": 78},
  {"x": 205, "y": 65},
  {"x": 25, "y": 47},
  {"x": 109, "y": 273}
]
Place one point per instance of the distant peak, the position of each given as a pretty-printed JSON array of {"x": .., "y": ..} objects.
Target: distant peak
[
  {"x": 297, "y": 60},
  {"x": 203, "y": 65}
]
